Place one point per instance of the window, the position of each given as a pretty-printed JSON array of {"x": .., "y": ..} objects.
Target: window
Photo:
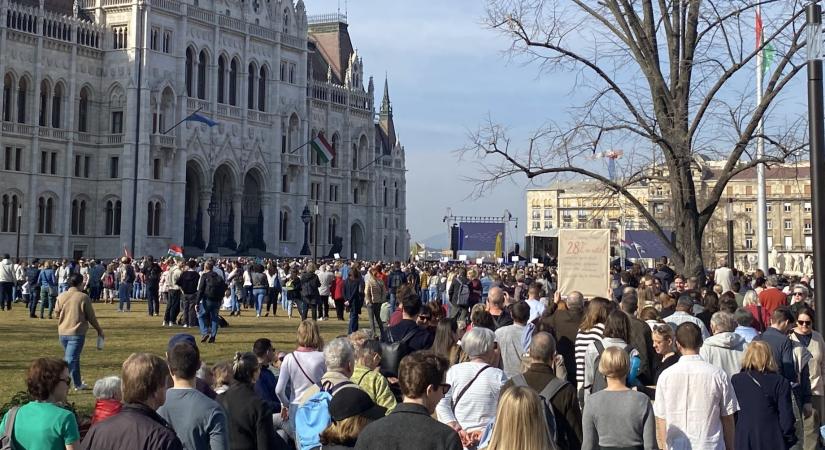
[
  {"x": 283, "y": 226},
  {"x": 156, "y": 168},
  {"x": 315, "y": 191},
  {"x": 788, "y": 243},
  {"x": 44, "y": 104},
  {"x": 748, "y": 190},
  {"x": 153, "y": 219},
  {"x": 548, "y": 214},
  {"x": 807, "y": 207},
  {"x": 117, "y": 122},
  {"x": 788, "y": 224},
  {"x": 355, "y": 196},
  {"x": 333, "y": 193},
  {"x": 536, "y": 215},
  {"x": 397, "y": 195},
  {"x": 233, "y": 82},
  {"x": 13, "y": 159},
  {"x": 332, "y": 225},
  {"x": 114, "y": 165},
  {"x": 262, "y": 90},
  {"x": 807, "y": 226},
  {"x": 536, "y": 225},
  {"x": 57, "y": 102},
  {"x": 78, "y": 166},
  {"x": 112, "y": 218},
  {"x": 769, "y": 207},
  {"x": 770, "y": 242},
  {"x": 153, "y": 39},
  {"x": 53, "y": 165},
  {"x": 48, "y": 163},
  {"x": 385, "y": 193},
  {"x": 83, "y": 112},
  {"x": 748, "y": 227},
  {"x": 44, "y": 162},
  {"x": 770, "y": 224},
  {"x": 283, "y": 141},
  {"x": 7, "y": 87},
  {"x": 45, "y": 215},
  {"x": 221, "y": 79},
  {"x": 250, "y": 86},
  {"x": 809, "y": 243},
  {"x": 285, "y": 183},
  {"x": 22, "y": 88},
  {"x": 282, "y": 76},
  {"x": 291, "y": 73},
  {"x": 189, "y": 71},
  {"x": 120, "y": 34},
  {"x": 79, "y": 217},
  {"x": 749, "y": 243},
  {"x": 11, "y": 208},
  {"x": 748, "y": 208},
  {"x": 286, "y": 25},
  {"x": 354, "y": 157},
  {"x": 202, "y": 75},
  {"x": 548, "y": 225},
  {"x": 167, "y": 41},
  {"x": 87, "y": 164},
  {"x": 786, "y": 207}
]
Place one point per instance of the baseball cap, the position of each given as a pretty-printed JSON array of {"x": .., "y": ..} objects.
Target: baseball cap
[
  {"x": 181, "y": 338},
  {"x": 352, "y": 401}
]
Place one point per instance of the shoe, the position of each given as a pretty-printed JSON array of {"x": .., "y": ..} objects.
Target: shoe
[
  {"x": 185, "y": 326},
  {"x": 204, "y": 338},
  {"x": 165, "y": 324},
  {"x": 32, "y": 316},
  {"x": 211, "y": 340},
  {"x": 267, "y": 314},
  {"x": 41, "y": 316},
  {"x": 257, "y": 315},
  {"x": 82, "y": 387}
]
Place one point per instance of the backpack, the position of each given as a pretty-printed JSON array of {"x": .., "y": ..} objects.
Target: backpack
[
  {"x": 600, "y": 381},
  {"x": 130, "y": 274},
  {"x": 214, "y": 286},
  {"x": 109, "y": 281},
  {"x": 6, "y": 441},
  {"x": 463, "y": 297},
  {"x": 553, "y": 387},
  {"x": 313, "y": 417},
  {"x": 393, "y": 351}
]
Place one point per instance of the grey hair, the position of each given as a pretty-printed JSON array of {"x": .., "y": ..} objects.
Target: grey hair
[
  {"x": 478, "y": 341},
  {"x": 107, "y": 388},
  {"x": 772, "y": 280},
  {"x": 751, "y": 298},
  {"x": 722, "y": 321},
  {"x": 575, "y": 301},
  {"x": 339, "y": 354},
  {"x": 801, "y": 287}
]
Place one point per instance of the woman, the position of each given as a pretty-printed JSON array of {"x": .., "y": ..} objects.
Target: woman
[
  {"x": 354, "y": 298},
  {"x": 664, "y": 345},
  {"x": 812, "y": 340},
  {"x": 350, "y": 410},
  {"x": 300, "y": 369},
  {"x": 645, "y": 298},
  {"x": 337, "y": 291},
  {"x": 650, "y": 316},
  {"x": 765, "y": 419},
  {"x": 259, "y": 286},
  {"x": 711, "y": 302},
  {"x": 617, "y": 417},
  {"x": 235, "y": 282},
  {"x": 446, "y": 341},
  {"x": 293, "y": 293},
  {"x": 48, "y": 288},
  {"x": 107, "y": 398},
  {"x": 274, "y": 289},
  {"x": 222, "y": 373},
  {"x": 247, "y": 417},
  {"x": 761, "y": 318},
  {"x": 433, "y": 282},
  {"x": 616, "y": 334},
  {"x": 43, "y": 423},
  {"x": 309, "y": 292},
  {"x": 475, "y": 287},
  {"x": 366, "y": 375},
  {"x": 520, "y": 422},
  {"x": 590, "y": 330},
  {"x": 375, "y": 294},
  {"x": 667, "y": 304},
  {"x": 470, "y": 403}
]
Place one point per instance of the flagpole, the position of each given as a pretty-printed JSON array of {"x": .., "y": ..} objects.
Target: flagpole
[
  {"x": 761, "y": 201},
  {"x": 182, "y": 120}
]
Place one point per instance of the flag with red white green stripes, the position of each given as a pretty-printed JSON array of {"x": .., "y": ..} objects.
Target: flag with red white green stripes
[{"x": 325, "y": 151}]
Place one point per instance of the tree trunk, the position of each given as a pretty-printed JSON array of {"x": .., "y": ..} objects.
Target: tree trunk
[{"x": 686, "y": 224}]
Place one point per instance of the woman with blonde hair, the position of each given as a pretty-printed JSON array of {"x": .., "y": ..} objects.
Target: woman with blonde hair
[
  {"x": 222, "y": 373},
  {"x": 520, "y": 422},
  {"x": 766, "y": 418},
  {"x": 375, "y": 294},
  {"x": 761, "y": 317},
  {"x": 301, "y": 369}
]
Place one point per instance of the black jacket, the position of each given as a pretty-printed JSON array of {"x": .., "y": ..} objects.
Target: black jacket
[
  {"x": 152, "y": 272},
  {"x": 408, "y": 427},
  {"x": 135, "y": 427},
  {"x": 566, "y": 323},
  {"x": 421, "y": 338},
  {"x": 188, "y": 281},
  {"x": 309, "y": 287},
  {"x": 354, "y": 294},
  {"x": 211, "y": 282},
  {"x": 249, "y": 420}
]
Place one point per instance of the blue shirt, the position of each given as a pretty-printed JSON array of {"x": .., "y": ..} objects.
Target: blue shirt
[
  {"x": 265, "y": 389},
  {"x": 747, "y": 333}
]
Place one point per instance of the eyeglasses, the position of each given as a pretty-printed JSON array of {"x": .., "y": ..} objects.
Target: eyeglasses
[
  {"x": 424, "y": 318},
  {"x": 803, "y": 322},
  {"x": 798, "y": 294}
]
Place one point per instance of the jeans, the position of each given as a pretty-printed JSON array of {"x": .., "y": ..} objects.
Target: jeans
[
  {"x": 62, "y": 287},
  {"x": 302, "y": 309},
  {"x": 46, "y": 299},
  {"x": 188, "y": 308},
  {"x": 353, "y": 321},
  {"x": 208, "y": 310},
  {"x": 259, "y": 294},
  {"x": 72, "y": 346},
  {"x": 233, "y": 299},
  {"x": 272, "y": 300},
  {"x": 138, "y": 290},
  {"x": 392, "y": 302},
  {"x": 124, "y": 294},
  {"x": 6, "y": 294},
  {"x": 94, "y": 292},
  {"x": 286, "y": 303},
  {"x": 375, "y": 318},
  {"x": 249, "y": 299},
  {"x": 434, "y": 294},
  {"x": 172, "y": 307},
  {"x": 339, "y": 308},
  {"x": 152, "y": 299}
]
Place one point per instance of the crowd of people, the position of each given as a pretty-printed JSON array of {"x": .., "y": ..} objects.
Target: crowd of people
[{"x": 488, "y": 357}]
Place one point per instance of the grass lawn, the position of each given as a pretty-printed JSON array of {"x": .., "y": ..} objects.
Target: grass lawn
[{"x": 25, "y": 339}]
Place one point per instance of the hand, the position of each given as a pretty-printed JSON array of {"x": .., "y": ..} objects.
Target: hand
[
  {"x": 284, "y": 413},
  {"x": 557, "y": 297},
  {"x": 100, "y": 334},
  {"x": 807, "y": 410}
]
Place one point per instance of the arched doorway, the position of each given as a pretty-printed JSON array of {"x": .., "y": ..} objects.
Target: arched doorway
[
  {"x": 356, "y": 240},
  {"x": 192, "y": 223},
  {"x": 222, "y": 217},
  {"x": 252, "y": 217}
]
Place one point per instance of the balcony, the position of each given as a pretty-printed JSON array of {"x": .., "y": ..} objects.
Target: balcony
[
  {"x": 196, "y": 103},
  {"x": 111, "y": 139},
  {"x": 163, "y": 140}
]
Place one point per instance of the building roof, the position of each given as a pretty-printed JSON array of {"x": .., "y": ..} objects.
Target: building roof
[
  {"x": 63, "y": 7},
  {"x": 783, "y": 172},
  {"x": 332, "y": 42}
]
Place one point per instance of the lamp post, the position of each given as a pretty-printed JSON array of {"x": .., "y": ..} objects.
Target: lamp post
[
  {"x": 212, "y": 210},
  {"x": 19, "y": 222},
  {"x": 305, "y": 217},
  {"x": 729, "y": 219},
  {"x": 315, "y": 233},
  {"x": 817, "y": 145}
]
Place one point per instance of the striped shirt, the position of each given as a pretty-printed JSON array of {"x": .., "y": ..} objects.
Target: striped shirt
[
  {"x": 583, "y": 340},
  {"x": 477, "y": 407}
]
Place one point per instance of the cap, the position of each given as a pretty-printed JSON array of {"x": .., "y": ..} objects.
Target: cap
[
  {"x": 181, "y": 338},
  {"x": 352, "y": 401}
]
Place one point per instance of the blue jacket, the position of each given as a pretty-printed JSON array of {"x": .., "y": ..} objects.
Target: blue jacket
[
  {"x": 46, "y": 278},
  {"x": 265, "y": 389}
]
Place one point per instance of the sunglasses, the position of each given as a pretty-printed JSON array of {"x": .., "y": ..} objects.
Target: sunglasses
[
  {"x": 798, "y": 294},
  {"x": 445, "y": 387},
  {"x": 803, "y": 322},
  {"x": 424, "y": 318}
]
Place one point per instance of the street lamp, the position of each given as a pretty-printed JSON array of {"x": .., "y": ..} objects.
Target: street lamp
[
  {"x": 19, "y": 222},
  {"x": 817, "y": 145},
  {"x": 315, "y": 232},
  {"x": 212, "y": 210},
  {"x": 729, "y": 219},
  {"x": 305, "y": 218}
]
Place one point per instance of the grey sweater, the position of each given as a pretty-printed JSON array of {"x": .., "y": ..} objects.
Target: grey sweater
[
  {"x": 199, "y": 421},
  {"x": 618, "y": 419}
]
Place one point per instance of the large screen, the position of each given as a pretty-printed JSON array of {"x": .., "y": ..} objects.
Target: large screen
[{"x": 480, "y": 237}]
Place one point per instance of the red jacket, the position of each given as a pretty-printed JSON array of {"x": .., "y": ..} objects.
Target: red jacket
[
  {"x": 338, "y": 288},
  {"x": 772, "y": 298},
  {"x": 104, "y": 409}
]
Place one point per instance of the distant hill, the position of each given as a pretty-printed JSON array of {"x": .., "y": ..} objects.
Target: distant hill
[{"x": 437, "y": 241}]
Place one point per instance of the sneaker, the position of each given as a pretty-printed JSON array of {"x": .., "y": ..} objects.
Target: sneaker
[
  {"x": 211, "y": 340},
  {"x": 185, "y": 326},
  {"x": 205, "y": 337},
  {"x": 82, "y": 387},
  {"x": 165, "y": 324},
  {"x": 257, "y": 315}
]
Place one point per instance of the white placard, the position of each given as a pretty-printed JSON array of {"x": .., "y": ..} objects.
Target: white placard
[
  {"x": 337, "y": 256},
  {"x": 500, "y": 260},
  {"x": 479, "y": 261},
  {"x": 445, "y": 259},
  {"x": 584, "y": 261},
  {"x": 462, "y": 257},
  {"x": 355, "y": 256},
  {"x": 535, "y": 261},
  {"x": 514, "y": 258}
]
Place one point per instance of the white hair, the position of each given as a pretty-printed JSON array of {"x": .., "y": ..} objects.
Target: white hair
[
  {"x": 478, "y": 341},
  {"x": 751, "y": 298},
  {"x": 721, "y": 322},
  {"x": 339, "y": 354},
  {"x": 107, "y": 388}
]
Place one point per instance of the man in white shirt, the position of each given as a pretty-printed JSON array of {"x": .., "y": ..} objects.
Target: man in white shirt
[
  {"x": 695, "y": 401},
  {"x": 723, "y": 276},
  {"x": 536, "y": 305}
]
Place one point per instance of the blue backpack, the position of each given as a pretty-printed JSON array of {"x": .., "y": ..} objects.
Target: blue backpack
[{"x": 313, "y": 417}]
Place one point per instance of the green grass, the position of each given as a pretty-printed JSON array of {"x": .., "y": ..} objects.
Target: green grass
[{"x": 24, "y": 339}]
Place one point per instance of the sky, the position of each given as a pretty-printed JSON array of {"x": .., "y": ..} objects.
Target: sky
[{"x": 447, "y": 73}]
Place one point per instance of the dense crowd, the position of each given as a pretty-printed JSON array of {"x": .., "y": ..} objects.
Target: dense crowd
[{"x": 488, "y": 357}]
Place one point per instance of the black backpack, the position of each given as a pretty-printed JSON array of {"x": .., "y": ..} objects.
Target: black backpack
[
  {"x": 130, "y": 274},
  {"x": 393, "y": 351},
  {"x": 599, "y": 380},
  {"x": 213, "y": 286},
  {"x": 553, "y": 387}
]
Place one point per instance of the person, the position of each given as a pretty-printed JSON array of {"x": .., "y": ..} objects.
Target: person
[
  {"x": 222, "y": 374},
  {"x": 248, "y": 418},
  {"x": 744, "y": 322},
  {"x": 772, "y": 297},
  {"x": 365, "y": 375},
  {"x": 417, "y": 338},
  {"x": 445, "y": 343},
  {"x": 107, "y": 398},
  {"x": 639, "y": 337},
  {"x": 48, "y": 288},
  {"x": 617, "y": 417},
  {"x": 7, "y": 282},
  {"x": 566, "y": 323},
  {"x": 538, "y": 376},
  {"x": 766, "y": 418},
  {"x": 410, "y": 426},
  {"x": 511, "y": 340},
  {"x": 210, "y": 292},
  {"x": 109, "y": 282},
  {"x": 144, "y": 380},
  {"x": 375, "y": 295},
  {"x": 761, "y": 317},
  {"x": 151, "y": 274},
  {"x": 301, "y": 369},
  {"x": 126, "y": 278},
  {"x": 325, "y": 280},
  {"x": 709, "y": 424},
  {"x": 75, "y": 314},
  {"x": 395, "y": 280},
  {"x": 725, "y": 348},
  {"x": 665, "y": 346},
  {"x": 684, "y": 306},
  {"x": 260, "y": 284},
  {"x": 520, "y": 422},
  {"x": 198, "y": 421},
  {"x": 235, "y": 279},
  {"x": 799, "y": 298},
  {"x": 267, "y": 381},
  {"x": 273, "y": 289},
  {"x": 590, "y": 330},
  {"x": 170, "y": 317},
  {"x": 495, "y": 306},
  {"x": 723, "y": 276},
  {"x": 43, "y": 423},
  {"x": 804, "y": 335},
  {"x": 354, "y": 298},
  {"x": 470, "y": 403},
  {"x": 710, "y": 303},
  {"x": 616, "y": 334},
  {"x": 351, "y": 410},
  {"x": 337, "y": 293},
  {"x": 339, "y": 361},
  {"x": 309, "y": 293},
  {"x": 188, "y": 282},
  {"x": 459, "y": 296}
]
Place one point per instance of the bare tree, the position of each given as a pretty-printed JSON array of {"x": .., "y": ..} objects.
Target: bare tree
[{"x": 671, "y": 78}]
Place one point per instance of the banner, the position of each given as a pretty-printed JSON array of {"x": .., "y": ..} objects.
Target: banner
[{"x": 584, "y": 262}]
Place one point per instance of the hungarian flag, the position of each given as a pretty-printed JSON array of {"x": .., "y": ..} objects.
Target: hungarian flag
[
  {"x": 768, "y": 51},
  {"x": 323, "y": 148},
  {"x": 126, "y": 252},
  {"x": 175, "y": 251}
]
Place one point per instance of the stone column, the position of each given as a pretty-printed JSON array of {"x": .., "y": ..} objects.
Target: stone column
[
  {"x": 237, "y": 197},
  {"x": 206, "y": 220}
]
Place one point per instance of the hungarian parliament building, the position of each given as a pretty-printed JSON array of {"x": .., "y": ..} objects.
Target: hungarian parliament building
[{"x": 133, "y": 125}]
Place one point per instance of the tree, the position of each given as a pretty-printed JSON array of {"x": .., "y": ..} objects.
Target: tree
[{"x": 672, "y": 76}]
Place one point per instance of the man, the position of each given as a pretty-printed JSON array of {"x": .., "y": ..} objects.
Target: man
[
  {"x": 724, "y": 277},
  {"x": 265, "y": 385},
  {"x": 678, "y": 286},
  {"x": 417, "y": 338},
  {"x": 771, "y": 297},
  {"x": 744, "y": 320},
  {"x": 7, "y": 280},
  {"x": 95, "y": 283},
  {"x": 126, "y": 276},
  {"x": 410, "y": 425},
  {"x": 640, "y": 338},
  {"x": 32, "y": 274},
  {"x": 63, "y": 276},
  {"x": 199, "y": 422},
  {"x": 695, "y": 401},
  {"x": 511, "y": 340},
  {"x": 565, "y": 403},
  {"x": 144, "y": 380},
  {"x": 151, "y": 273},
  {"x": 725, "y": 349},
  {"x": 74, "y": 315},
  {"x": 683, "y": 307},
  {"x": 326, "y": 278},
  {"x": 210, "y": 293},
  {"x": 566, "y": 323},
  {"x": 625, "y": 280},
  {"x": 495, "y": 306},
  {"x": 459, "y": 296},
  {"x": 533, "y": 300},
  {"x": 395, "y": 280},
  {"x": 664, "y": 273},
  {"x": 188, "y": 282},
  {"x": 170, "y": 317}
]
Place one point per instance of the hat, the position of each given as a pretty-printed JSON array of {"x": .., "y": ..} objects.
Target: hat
[
  {"x": 352, "y": 401},
  {"x": 181, "y": 338}
]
